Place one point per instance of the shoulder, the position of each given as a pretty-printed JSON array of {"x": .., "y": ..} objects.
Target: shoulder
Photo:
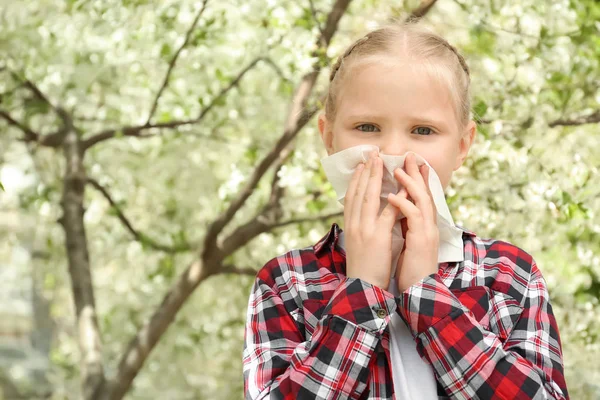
[
  {"x": 500, "y": 265},
  {"x": 501, "y": 251},
  {"x": 285, "y": 273}
]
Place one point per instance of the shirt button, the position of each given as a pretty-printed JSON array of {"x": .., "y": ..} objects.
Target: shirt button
[{"x": 381, "y": 313}]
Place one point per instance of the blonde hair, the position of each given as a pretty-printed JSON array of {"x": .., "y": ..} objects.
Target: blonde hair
[{"x": 406, "y": 40}]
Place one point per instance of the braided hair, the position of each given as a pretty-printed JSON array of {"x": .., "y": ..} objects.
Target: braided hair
[{"x": 419, "y": 43}]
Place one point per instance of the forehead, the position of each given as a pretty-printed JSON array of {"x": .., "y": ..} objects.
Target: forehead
[{"x": 404, "y": 89}]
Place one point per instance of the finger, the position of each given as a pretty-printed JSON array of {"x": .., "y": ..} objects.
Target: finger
[
  {"x": 414, "y": 216},
  {"x": 425, "y": 170},
  {"x": 388, "y": 217},
  {"x": 400, "y": 200},
  {"x": 416, "y": 192},
  {"x": 359, "y": 196},
  {"x": 372, "y": 200},
  {"x": 349, "y": 198},
  {"x": 413, "y": 170}
]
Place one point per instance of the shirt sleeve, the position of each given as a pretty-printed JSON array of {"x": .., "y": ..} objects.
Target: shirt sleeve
[
  {"x": 278, "y": 361},
  {"x": 470, "y": 361}
]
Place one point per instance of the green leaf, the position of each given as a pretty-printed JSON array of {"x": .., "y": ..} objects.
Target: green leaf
[
  {"x": 483, "y": 41},
  {"x": 165, "y": 116},
  {"x": 220, "y": 75},
  {"x": 315, "y": 206},
  {"x": 220, "y": 101},
  {"x": 480, "y": 109},
  {"x": 210, "y": 22},
  {"x": 484, "y": 131},
  {"x": 2, "y": 187},
  {"x": 35, "y": 106},
  {"x": 165, "y": 51},
  {"x": 199, "y": 37},
  {"x": 180, "y": 238},
  {"x": 251, "y": 154}
]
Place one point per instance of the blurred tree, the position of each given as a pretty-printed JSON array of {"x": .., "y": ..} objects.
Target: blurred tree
[{"x": 181, "y": 120}]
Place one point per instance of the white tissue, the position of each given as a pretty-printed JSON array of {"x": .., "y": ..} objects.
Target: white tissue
[{"x": 339, "y": 168}]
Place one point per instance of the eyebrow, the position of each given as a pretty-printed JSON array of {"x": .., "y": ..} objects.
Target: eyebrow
[
  {"x": 367, "y": 117},
  {"x": 429, "y": 121}
]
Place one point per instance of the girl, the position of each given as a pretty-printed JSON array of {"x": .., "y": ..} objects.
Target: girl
[{"x": 320, "y": 319}]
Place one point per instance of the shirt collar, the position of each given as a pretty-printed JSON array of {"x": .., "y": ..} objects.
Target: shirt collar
[{"x": 329, "y": 241}]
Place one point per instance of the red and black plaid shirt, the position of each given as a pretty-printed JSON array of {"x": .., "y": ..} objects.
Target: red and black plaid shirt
[{"x": 485, "y": 325}]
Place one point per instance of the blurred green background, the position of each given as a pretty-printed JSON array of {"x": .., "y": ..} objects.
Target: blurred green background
[{"x": 182, "y": 136}]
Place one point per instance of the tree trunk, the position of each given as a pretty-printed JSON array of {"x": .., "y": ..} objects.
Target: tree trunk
[
  {"x": 144, "y": 342},
  {"x": 90, "y": 344}
]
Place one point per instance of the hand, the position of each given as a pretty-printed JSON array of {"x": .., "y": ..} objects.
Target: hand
[
  {"x": 419, "y": 256},
  {"x": 368, "y": 235}
]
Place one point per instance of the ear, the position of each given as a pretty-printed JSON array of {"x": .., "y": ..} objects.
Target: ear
[
  {"x": 466, "y": 140},
  {"x": 326, "y": 131}
]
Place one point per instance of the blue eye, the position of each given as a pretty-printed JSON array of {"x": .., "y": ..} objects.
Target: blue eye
[
  {"x": 369, "y": 128},
  {"x": 423, "y": 130}
]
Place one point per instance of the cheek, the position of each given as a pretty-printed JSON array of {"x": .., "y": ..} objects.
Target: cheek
[
  {"x": 342, "y": 140},
  {"x": 337, "y": 143}
]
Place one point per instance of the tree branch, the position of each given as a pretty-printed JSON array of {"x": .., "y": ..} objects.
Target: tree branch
[
  {"x": 72, "y": 202},
  {"x": 138, "y": 236},
  {"x": 421, "y": 11},
  {"x": 56, "y": 139},
  {"x": 136, "y": 130},
  {"x": 276, "y": 190},
  {"x": 232, "y": 269},
  {"x": 210, "y": 243},
  {"x": 30, "y": 136},
  {"x": 165, "y": 82},
  {"x": 275, "y": 67},
  {"x": 51, "y": 140},
  {"x": 270, "y": 213},
  {"x": 313, "y": 218},
  {"x": 588, "y": 119},
  {"x": 145, "y": 340},
  {"x": 62, "y": 113},
  {"x": 263, "y": 223},
  {"x": 298, "y": 116}
]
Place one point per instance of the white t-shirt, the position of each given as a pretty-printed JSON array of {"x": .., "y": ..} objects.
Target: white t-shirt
[{"x": 413, "y": 378}]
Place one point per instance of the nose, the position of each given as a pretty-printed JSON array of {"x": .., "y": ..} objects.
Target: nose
[{"x": 394, "y": 145}]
